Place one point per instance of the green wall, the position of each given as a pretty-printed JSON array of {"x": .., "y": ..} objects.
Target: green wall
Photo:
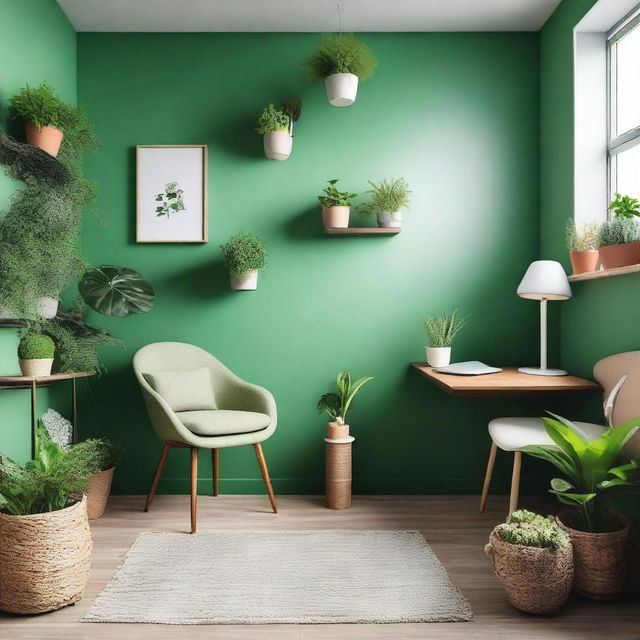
[
  {"x": 37, "y": 43},
  {"x": 456, "y": 114}
]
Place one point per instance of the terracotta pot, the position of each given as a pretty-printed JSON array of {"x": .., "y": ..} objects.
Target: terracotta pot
[
  {"x": 584, "y": 261},
  {"x": 341, "y": 89},
  {"x": 534, "y": 580},
  {"x": 337, "y": 431},
  {"x": 48, "y": 139},
  {"x": 600, "y": 568},
  {"x": 386, "y": 219},
  {"x": 36, "y": 367},
  {"x": 98, "y": 490},
  {"x": 438, "y": 356},
  {"x": 277, "y": 145},
  {"x": 336, "y": 217},
  {"x": 245, "y": 282},
  {"x": 620, "y": 255}
]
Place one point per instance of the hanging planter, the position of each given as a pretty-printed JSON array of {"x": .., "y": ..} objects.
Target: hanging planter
[
  {"x": 336, "y": 206},
  {"x": 245, "y": 256},
  {"x": 387, "y": 200},
  {"x": 276, "y": 126},
  {"x": 341, "y": 61}
]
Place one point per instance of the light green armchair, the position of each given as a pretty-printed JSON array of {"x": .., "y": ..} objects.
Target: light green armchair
[{"x": 244, "y": 414}]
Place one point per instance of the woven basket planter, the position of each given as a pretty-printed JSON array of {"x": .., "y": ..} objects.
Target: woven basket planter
[
  {"x": 338, "y": 474},
  {"x": 599, "y": 558},
  {"x": 535, "y": 580},
  {"x": 98, "y": 490},
  {"x": 44, "y": 559}
]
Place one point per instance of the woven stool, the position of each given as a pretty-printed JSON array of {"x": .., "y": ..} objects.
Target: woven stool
[{"x": 338, "y": 473}]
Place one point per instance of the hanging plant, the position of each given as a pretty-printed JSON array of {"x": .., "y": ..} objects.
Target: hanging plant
[{"x": 276, "y": 126}]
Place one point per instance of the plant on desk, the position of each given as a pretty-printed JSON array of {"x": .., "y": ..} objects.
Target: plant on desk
[
  {"x": 441, "y": 330},
  {"x": 35, "y": 355}
]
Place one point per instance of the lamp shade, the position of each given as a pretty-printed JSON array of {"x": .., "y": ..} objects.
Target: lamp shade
[{"x": 545, "y": 279}]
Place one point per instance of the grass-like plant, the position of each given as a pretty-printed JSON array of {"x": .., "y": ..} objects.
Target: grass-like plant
[
  {"x": 336, "y": 405},
  {"x": 624, "y": 206},
  {"x": 387, "y": 197},
  {"x": 41, "y": 106},
  {"x": 272, "y": 119},
  {"x": 619, "y": 230},
  {"x": 243, "y": 253},
  {"x": 532, "y": 530},
  {"x": 442, "y": 329},
  {"x": 341, "y": 53},
  {"x": 35, "y": 346},
  {"x": 331, "y": 197},
  {"x": 582, "y": 238}
]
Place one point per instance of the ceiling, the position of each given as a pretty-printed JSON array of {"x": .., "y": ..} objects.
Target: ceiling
[{"x": 307, "y": 15}]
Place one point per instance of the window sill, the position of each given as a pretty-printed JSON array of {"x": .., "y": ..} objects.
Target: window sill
[{"x": 605, "y": 273}]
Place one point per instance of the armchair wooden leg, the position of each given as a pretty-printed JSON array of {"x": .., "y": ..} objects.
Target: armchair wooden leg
[
  {"x": 215, "y": 462},
  {"x": 515, "y": 481},
  {"x": 265, "y": 476},
  {"x": 156, "y": 476},
  {"x": 194, "y": 487},
  {"x": 488, "y": 475}
]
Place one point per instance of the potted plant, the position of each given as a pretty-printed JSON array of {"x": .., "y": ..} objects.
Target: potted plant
[
  {"x": 35, "y": 355},
  {"x": 619, "y": 237},
  {"x": 594, "y": 472},
  {"x": 336, "y": 405},
  {"x": 533, "y": 559},
  {"x": 441, "y": 330},
  {"x": 45, "y": 555},
  {"x": 244, "y": 256},
  {"x": 582, "y": 243},
  {"x": 336, "y": 206},
  {"x": 387, "y": 201},
  {"x": 276, "y": 126},
  {"x": 341, "y": 60}
]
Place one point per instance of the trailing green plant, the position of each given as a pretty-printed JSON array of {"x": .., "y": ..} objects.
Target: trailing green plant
[
  {"x": 41, "y": 106},
  {"x": 582, "y": 238},
  {"x": 387, "y": 197},
  {"x": 35, "y": 346},
  {"x": 594, "y": 471},
  {"x": 532, "y": 530},
  {"x": 619, "y": 231},
  {"x": 334, "y": 198},
  {"x": 442, "y": 329},
  {"x": 336, "y": 405},
  {"x": 272, "y": 119},
  {"x": 243, "y": 253},
  {"x": 341, "y": 53},
  {"x": 624, "y": 206}
]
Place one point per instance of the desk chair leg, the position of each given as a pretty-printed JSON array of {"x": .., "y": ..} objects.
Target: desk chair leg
[
  {"x": 265, "y": 476},
  {"x": 194, "y": 487},
  {"x": 515, "y": 481},
  {"x": 156, "y": 477},
  {"x": 488, "y": 475},
  {"x": 215, "y": 462}
]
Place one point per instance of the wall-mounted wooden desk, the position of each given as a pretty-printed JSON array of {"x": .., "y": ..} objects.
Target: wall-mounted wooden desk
[{"x": 509, "y": 382}]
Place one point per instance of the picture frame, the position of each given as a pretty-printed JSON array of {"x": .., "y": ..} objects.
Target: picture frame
[{"x": 171, "y": 193}]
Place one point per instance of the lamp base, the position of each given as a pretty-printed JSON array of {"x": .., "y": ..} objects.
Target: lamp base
[{"x": 537, "y": 371}]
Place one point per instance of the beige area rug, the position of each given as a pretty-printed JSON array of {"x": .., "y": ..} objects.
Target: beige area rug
[{"x": 280, "y": 577}]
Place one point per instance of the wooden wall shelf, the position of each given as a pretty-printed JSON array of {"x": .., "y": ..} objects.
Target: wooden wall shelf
[
  {"x": 605, "y": 273},
  {"x": 364, "y": 231}
]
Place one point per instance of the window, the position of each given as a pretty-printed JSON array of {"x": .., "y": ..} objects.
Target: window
[{"x": 623, "y": 112}]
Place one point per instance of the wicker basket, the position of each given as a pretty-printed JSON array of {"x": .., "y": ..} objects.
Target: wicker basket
[
  {"x": 44, "y": 559},
  {"x": 600, "y": 559},
  {"x": 98, "y": 489},
  {"x": 535, "y": 580},
  {"x": 338, "y": 474}
]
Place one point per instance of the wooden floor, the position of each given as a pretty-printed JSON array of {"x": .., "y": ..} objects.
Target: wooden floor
[{"x": 452, "y": 525}]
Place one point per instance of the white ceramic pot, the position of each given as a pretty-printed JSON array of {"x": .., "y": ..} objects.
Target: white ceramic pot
[
  {"x": 438, "y": 356},
  {"x": 48, "y": 307},
  {"x": 245, "y": 282},
  {"x": 336, "y": 217},
  {"x": 341, "y": 89},
  {"x": 386, "y": 219},
  {"x": 36, "y": 367},
  {"x": 277, "y": 145}
]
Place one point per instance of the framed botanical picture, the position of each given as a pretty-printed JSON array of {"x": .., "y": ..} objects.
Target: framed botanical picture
[{"x": 171, "y": 193}]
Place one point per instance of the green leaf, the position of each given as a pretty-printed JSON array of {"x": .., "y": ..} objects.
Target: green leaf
[
  {"x": 574, "y": 498},
  {"x": 159, "y": 208},
  {"x": 558, "y": 484}
]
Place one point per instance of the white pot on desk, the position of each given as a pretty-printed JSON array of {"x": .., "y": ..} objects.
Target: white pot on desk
[{"x": 438, "y": 356}]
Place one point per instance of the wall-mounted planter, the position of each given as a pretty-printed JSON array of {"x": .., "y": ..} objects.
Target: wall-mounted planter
[
  {"x": 341, "y": 89},
  {"x": 620, "y": 255},
  {"x": 386, "y": 219},
  {"x": 245, "y": 282},
  {"x": 584, "y": 261},
  {"x": 47, "y": 138},
  {"x": 277, "y": 145},
  {"x": 336, "y": 217}
]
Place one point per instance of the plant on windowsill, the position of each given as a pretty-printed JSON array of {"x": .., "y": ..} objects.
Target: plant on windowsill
[
  {"x": 276, "y": 126},
  {"x": 387, "y": 201},
  {"x": 594, "y": 473},
  {"x": 440, "y": 331},
  {"x": 582, "y": 243},
  {"x": 533, "y": 559},
  {"x": 337, "y": 405},
  {"x": 620, "y": 236},
  {"x": 341, "y": 60},
  {"x": 35, "y": 355},
  {"x": 336, "y": 206},
  {"x": 245, "y": 256}
]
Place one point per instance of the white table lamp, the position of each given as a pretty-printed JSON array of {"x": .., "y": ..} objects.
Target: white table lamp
[{"x": 544, "y": 280}]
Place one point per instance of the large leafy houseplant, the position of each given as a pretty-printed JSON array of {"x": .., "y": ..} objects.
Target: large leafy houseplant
[{"x": 337, "y": 405}]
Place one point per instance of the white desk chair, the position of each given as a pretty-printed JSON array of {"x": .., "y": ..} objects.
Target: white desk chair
[{"x": 619, "y": 376}]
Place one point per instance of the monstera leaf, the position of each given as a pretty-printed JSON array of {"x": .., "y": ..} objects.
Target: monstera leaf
[{"x": 116, "y": 291}]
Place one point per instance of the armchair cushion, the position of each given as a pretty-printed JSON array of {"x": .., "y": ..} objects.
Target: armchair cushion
[
  {"x": 222, "y": 422},
  {"x": 184, "y": 390}
]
